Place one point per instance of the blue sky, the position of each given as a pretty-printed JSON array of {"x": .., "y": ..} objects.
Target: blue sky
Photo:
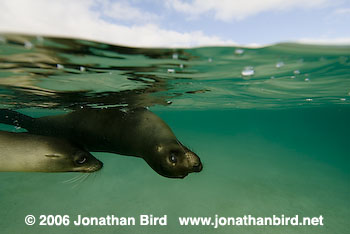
[{"x": 181, "y": 23}]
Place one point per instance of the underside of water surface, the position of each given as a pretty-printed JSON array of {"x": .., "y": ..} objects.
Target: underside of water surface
[{"x": 271, "y": 126}]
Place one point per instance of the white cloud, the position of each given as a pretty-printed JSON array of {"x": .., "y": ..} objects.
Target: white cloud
[
  {"x": 76, "y": 18},
  {"x": 124, "y": 12},
  {"x": 325, "y": 41},
  {"x": 227, "y": 10},
  {"x": 83, "y": 19}
]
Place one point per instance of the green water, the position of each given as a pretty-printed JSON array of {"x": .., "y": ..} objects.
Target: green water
[{"x": 272, "y": 143}]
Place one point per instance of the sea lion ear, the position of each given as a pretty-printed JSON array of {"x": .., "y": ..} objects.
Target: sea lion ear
[
  {"x": 159, "y": 148},
  {"x": 53, "y": 155}
]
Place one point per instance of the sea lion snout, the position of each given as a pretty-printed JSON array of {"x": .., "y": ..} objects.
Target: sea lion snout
[
  {"x": 194, "y": 161},
  {"x": 198, "y": 167},
  {"x": 95, "y": 167}
]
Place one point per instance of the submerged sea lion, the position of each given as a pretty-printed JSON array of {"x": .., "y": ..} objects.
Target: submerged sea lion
[
  {"x": 23, "y": 152},
  {"x": 136, "y": 132}
]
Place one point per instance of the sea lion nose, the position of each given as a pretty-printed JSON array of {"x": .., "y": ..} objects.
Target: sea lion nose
[
  {"x": 197, "y": 167},
  {"x": 96, "y": 167},
  {"x": 194, "y": 163}
]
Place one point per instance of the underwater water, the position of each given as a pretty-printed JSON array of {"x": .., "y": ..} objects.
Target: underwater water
[{"x": 271, "y": 126}]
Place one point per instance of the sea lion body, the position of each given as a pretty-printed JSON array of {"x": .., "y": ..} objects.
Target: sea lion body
[
  {"x": 23, "y": 152},
  {"x": 136, "y": 132}
]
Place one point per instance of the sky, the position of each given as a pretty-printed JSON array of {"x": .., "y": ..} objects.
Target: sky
[{"x": 182, "y": 23}]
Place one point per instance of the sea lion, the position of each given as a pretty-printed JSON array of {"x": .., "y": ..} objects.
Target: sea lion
[
  {"x": 135, "y": 132},
  {"x": 23, "y": 152}
]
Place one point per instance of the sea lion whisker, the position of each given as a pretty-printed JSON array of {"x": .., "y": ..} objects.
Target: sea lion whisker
[
  {"x": 71, "y": 179},
  {"x": 97, "y": 175},
  {"x": 86, "y": 177},
  {"x": 80, "y": 180},
  {"x": 94, "y": 177},
  {"x": 75, "y": 179}
]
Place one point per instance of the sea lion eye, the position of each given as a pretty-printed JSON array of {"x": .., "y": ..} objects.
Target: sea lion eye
[
  {"x": 173, "y": 158},
  {"x": 81, "y": 160}
]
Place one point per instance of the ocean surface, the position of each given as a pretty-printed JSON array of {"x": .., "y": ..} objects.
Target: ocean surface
[{"x": 271, "y": 126}]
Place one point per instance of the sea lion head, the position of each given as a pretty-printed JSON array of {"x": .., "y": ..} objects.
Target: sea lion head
[
  {"x": 174, "y": 160},
  {"x": 160, "y": 147},
  {"x": 69, "y": 158}
]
